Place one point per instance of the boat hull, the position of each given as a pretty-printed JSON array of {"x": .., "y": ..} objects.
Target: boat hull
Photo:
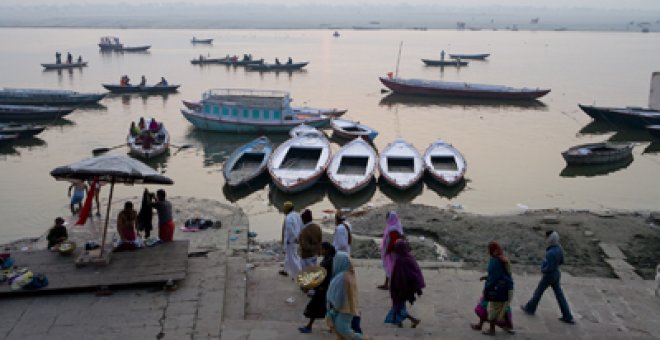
[
  {"x": 448, "y": 173},
  {"x": 654, "y": 130},
  {"x": 141, "y": 89},
  {"x": 275, "y": 67},
  {"x": 431, "y": 62},
  {"x": 205, "y": 122},
  {"x": 64, "y": 66},
  {"x": 290, "y": 178},
  {"x": 599, "y": 153},
  {"x": 350, "y": 184},
  {"x": 633, "y": 117},
  {"x": 339, "y": 128},
  {"x": 396, "y": 151},
  {"x": 23, "y": 131},
  {"x": 480, "y": 56},
  {"x": 19, "y": 112},
  {"x": 49, "y": 99},
  {"x": 260, "y": 146},
  {"x": 398, "y": 87}
]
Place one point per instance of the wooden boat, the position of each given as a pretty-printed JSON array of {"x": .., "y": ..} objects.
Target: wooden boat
[
  {"x": 434, "y": 62},
  {"x": 276, "y": 67},
  {"x": 316, "y": 112},
  {"x": 444, "y": 163},
  {"x": 206, "y": 61},
  {"x": 142, "y": 48},
  {"x": 192, "y": 105},
  {"x": 303, "y": 129},
  {"x": 141, "y": 89},
  {"x": 160, "y": 145},
  {"x": 64, "y": 65},
  {"x": 26, "y": 112},
  {"x": 349, "y": 129},
  {"x": 22, "y": 130},
  {"x": 477, "y": 56},
  {"x": 47, "y": 97},
  {"x": 201, "y": 41},
  {"x": 247, "y": 162},
  {"x": 598, "y": 153},
  {"x": 630, "y": 116},
  {"x": 447, "y": 89},
  {"x": 248, "y": 62},
  {"x": 400, "y": 164},
  {"x": 654, "y": 130},
  {"x": 6, "y": 139},
  {"x": 352, "y": 168},
  {"x": 248, "y": 111},
  {"x": 336, "y": 34},
  {"x": 298, "y": 163},
  {"x": 113, "y": 44}
]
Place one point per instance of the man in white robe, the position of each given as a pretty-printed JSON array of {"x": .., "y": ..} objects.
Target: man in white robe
[
  {"x": 290, "y": 230},
  {"x": 343, "y": 238}
]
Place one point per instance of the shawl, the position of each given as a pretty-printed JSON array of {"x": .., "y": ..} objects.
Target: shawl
[
  {"x": 407, "y": 279},
  {"x": 342, "y": 292},
  {"x": 393, "y": 224}
]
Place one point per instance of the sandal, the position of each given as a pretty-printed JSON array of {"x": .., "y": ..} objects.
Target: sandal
[{"x": 475, "y": 326}]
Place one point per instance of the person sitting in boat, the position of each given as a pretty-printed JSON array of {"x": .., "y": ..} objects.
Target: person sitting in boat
[
  {"x": 58, "y": 58},
  {"x": 442, "y": 55},
  {"x": 162, "y": 132},
  {"x": 153, "y": 125},
  {"x": 147, "y": 139},
  {"x": 143, "y": 81},
  {"x": 57, "y": 234},
  {"x": 245, "y": 57},
  {"x": 290, "y": 61},
  {"x": 277, "y": 61},
  {"x": 134, "y": 130},
  {"x": 162, "y": 82},
  {"x": 69, "y": 58},
  {"x": 201, "y": 57},
  {"x": 124, "y": 81},
  {"x": 141, "y": 124},
  {"x": 234, "y": 58},
  {"x": 79, "y": 59}
]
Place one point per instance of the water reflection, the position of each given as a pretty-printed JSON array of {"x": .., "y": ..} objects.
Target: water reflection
[
  {"x": 236, "y": 194},
  {"x": 218, "y": 146},
  {"x": 14, "y": 147},
  {"x": 597, "y": 127},
  {"x": 443, "y": 190},
  {"x": 159, "y": 163},
  {"x": 400, "y": 196},
  {"x": 394, "y": 99},
  {"x": 126, "y": 98},
  {"x": 352, "y": 201},
  {"x": 300, "y": 200},
  {"x": 654, "y": 147},
  {"x": 594, "y": 170}
]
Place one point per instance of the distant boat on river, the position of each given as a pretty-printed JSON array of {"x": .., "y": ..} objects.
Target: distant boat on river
[
  {"x": 441, "y": 62},
  {"x": 10, "y": 113},
  {"x": 476, "y": 56},
  {"x": 60, "y": 66},
  {"x": 113, "y": 44},
  {"x": 636, "y": 117},
  {"x": 47, "y": 97},
  {"x": 201, "y": 41}
]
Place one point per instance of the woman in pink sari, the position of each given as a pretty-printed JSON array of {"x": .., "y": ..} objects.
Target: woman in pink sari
[{"x": 392, "y": 232}]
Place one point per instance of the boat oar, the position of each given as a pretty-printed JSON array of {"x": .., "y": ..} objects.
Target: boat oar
[
  {"x": 184, "y": 146},
  {"x": 99, "y": 151}
]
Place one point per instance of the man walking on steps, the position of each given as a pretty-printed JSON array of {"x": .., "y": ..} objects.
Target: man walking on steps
[{"x": 554, "y": 257}]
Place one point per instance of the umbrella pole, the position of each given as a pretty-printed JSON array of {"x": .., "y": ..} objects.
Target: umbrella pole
[{"x": 107, "y": 216}]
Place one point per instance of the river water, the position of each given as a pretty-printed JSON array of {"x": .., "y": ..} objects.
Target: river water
[{"x": 512, "y": 150}]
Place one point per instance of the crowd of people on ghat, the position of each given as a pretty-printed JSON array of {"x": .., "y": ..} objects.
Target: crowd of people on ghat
[{"x": 335, "y": 299}]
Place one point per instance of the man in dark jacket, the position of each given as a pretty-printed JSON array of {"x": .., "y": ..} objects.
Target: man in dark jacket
[
  {"x": 554, "y": 257},
  {"x": 310, "y": 239}
]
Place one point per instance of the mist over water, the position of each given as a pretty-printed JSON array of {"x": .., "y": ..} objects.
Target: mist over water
[{"x": 512, "y": 149}]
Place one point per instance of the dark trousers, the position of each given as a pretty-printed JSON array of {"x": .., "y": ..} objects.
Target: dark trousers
[{"x": 550, "y": 280}]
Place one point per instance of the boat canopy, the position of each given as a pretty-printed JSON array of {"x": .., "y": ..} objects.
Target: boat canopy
[{"x": 248, "y": 98}]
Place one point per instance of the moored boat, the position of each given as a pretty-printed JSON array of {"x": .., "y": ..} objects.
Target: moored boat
[
  {"x": 435, "y": 62},
  {"x": 149, "y": 144},
  {"x": 400, "y": 164},
  {"x": 142, "y": 48},
  {"x": 248, "y": 111},
  {"x": 447, "y": 89},
  {"x": 276, "y": 67},
  {"x": 304, "y": 129},
  {"x": 299, "y": 162},
  {"x": 5, "y": 139},
  {"x": 444, "y": 163},
  {"x": 631, "y": 116},
  {"x": 27, "y": 112},
  {"x": 113, "y": 44},
  {"x": 314, "y": 111},
  {"x": 22, "y": 130},
  {"x": 654, "y": 130},
  {"x": 206, "y": 61},
  {"x": 352, "y": 168},
  {"x": 247, "y": 162},
  {"x": 141, "y": 89},
  {"x": 201, "y": 41},
  {"x": 474, "y": 56},
  {"x": 598, "y": 153},
  {"x": 349, "y": 129},
  {"x": 47, "y": 97},
  {"x": 64, "y": 65}
]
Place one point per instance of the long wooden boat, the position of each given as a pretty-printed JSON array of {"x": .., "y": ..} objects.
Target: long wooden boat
[
  {"x": 248, "y": 62},
  {"x": 142, "y": 48},
  {"x": 630, "y": 116},
  {"x": 400, "y": 164},
  {"x": 444, "y": 163},
  {"x": 352, "y": 168},
  {"x": 159, "y": 146},
  {"x": 22, "y": 130},
  {"x": 476, "y": 56},
  {"x": 304, "y": 129},
  {"x": 206, "y": 61},
  {"x": 64, "y": 65},
  {"x": 598, "y": 153},
  {"x": 47, "y": 97},
  {"x": 447, "y": 89},
  {"x": 276, "y": 67},
  {"x": 314, "y": 111},
  {"x": 654, "y": 130},
  {"x": 435, "y": 62},
  {"x": 247, "y": 162},
  {"x": 141, "y": 89},
  {"x": 5, "y": 139},
  {"x": 201, "y": 41},
  {"x": 248, "y": 111},
  {"x": 349, "y": 129},
  {"x": 298, "y": 163},
  {"x": 10, "y": 113}
]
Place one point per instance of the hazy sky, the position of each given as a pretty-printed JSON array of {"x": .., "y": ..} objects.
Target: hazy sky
[{"x": 601, "y": 4}]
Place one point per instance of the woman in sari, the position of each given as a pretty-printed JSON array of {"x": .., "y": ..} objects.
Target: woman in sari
[
  {"x": 407, "y": 281},
  {"x": 145, "y": 216},
  {"x": 342, "y": 299},
  {"x": 392, "y": 232},
  {"x": 499, "y": 273},
  {"x": 316, "y": 307}
]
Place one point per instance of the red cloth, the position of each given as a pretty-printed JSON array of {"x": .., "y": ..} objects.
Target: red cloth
[
  {"x": 394, "y": 235},
  {"x": 166, "y": 231},
  {"x": 87, "y": 207}
]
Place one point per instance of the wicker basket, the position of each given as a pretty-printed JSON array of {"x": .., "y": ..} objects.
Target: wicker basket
[
  {"x": 67, "y": 247},
  {"x": 311, "y": 277}
]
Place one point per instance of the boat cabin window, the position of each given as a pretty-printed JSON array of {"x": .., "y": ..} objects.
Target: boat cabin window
[
  {"x": 216, "y": 110},
  {"x": 266, "y": 114},
  {"x": 207, "y": 109},
  {"x": 225, "y": 111},
  {"x": 277, "y": 114},
  {"x": 255, "y": 114},
  {"x": 402, "y": 165},
  {"x": 246, "y": 114},
  {"x": 234, "y": 112}
]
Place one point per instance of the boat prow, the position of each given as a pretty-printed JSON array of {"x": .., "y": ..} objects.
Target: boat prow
[
  {"x": 352, "y": 168},
  {"x": 444, "y": 163},
  {"x": 299, "y": 163},
  {"x": 400, "y": 164}
]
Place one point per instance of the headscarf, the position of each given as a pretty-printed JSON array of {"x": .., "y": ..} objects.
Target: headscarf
[
  {"x": 552, "y": 238},
  {"x": 306, "y": 216},
  {"x": 327, "y": 262},
  {"x": 287, "y": 207},
  {"x": 342, "y": 292},
  {"x": 393, "y": 224},
  {"x": 496, "y": 252},
  {"x": 407, "y": 279}
]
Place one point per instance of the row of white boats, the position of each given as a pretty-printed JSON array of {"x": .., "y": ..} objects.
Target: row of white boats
[{"x": 299, "y": 163}]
